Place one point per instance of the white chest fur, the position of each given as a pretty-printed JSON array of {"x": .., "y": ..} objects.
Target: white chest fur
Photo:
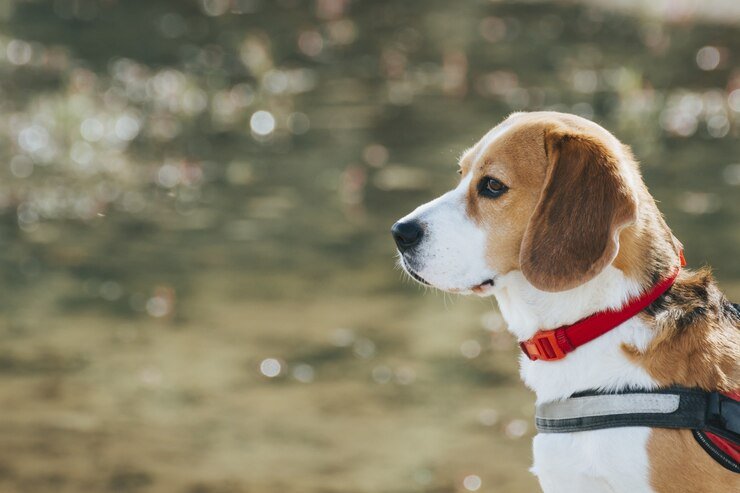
[{"x": 612, "y": 460}]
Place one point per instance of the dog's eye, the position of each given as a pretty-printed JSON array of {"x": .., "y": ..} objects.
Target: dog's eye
[
  {"x": 491, "y": 187},
  {"x": 459, "y": 171}
]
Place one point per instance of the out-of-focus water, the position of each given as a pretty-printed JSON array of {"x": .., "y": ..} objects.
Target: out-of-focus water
[{"x": 199, "y": 291}]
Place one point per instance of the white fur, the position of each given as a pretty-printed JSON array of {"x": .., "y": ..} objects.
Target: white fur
[{"x": 613, "y": 460}]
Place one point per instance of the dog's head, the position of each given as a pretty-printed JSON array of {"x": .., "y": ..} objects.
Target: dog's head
[{"x": 543, "y": 193}]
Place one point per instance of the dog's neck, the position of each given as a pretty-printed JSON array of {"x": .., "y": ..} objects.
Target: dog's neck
[
  {"x": 527, "y": 309},
  {"x": 648, "y": 252},
  {"x": 600, "y": 364},
  {"x": 645, "y": 257}
]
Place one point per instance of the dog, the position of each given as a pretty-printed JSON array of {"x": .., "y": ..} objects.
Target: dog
[{"x": 552, "y": 218}]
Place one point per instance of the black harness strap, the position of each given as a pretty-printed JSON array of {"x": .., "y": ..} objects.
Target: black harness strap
[{"x": 674, "y": 407}]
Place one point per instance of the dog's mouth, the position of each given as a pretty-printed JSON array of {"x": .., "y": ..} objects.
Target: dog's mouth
[
  {"x": 416, "y": 277},
  {"x": 481, "y": 288},
  {"x": 478, "y": 288}
]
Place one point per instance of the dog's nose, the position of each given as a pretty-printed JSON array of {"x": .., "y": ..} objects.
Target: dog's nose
[{"x": 407, "y": 234}]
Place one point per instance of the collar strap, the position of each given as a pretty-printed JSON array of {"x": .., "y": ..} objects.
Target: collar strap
[{"x": 552, "y": 345}]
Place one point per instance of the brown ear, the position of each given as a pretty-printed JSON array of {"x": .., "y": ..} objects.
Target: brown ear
[{"x": 573, "y": 233}]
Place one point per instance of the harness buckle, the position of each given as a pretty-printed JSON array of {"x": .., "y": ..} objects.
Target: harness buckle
[
  {"x": 542, "y": 346},
  {"x": 723, "y": 416}
]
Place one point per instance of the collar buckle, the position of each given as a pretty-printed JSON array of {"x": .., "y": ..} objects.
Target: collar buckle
[{"x": 543, "y": 346}]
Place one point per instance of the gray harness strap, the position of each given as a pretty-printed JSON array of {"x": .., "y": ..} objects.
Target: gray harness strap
[
  {"x": 592, "y": 406},
  {"x": 675, "y": 407}
]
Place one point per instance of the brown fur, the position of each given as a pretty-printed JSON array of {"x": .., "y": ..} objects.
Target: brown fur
[
  {"x": 648, "y": 250},
  {"x": 525, "y": 158},
  {"x": 678, "y": 464},
  {"x": 584, "y": 203},
  {"x": 697, "y": 341}
]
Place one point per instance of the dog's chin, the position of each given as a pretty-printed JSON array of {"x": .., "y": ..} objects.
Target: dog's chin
[{"x": 483, "y": 288}]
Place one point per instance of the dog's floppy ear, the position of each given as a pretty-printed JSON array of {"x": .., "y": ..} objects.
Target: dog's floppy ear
[{"x": 573, "y": 233}]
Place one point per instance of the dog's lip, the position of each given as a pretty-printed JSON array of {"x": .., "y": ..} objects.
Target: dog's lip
[
  {"x": 480, "y": 288},
  {"x": 418, "y": 278},
  {"x": 487, "y": 282},
  {"x": 413, "y": 274}
]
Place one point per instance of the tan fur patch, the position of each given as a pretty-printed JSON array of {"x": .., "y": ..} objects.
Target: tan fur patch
[
  {"x": 648, "y": 250},
  {"x": 697, "y": 341},
  {"x": 515, "y": 153},
  {"x": 679, "y": 464},
  {"x": 517, "y": 159}
]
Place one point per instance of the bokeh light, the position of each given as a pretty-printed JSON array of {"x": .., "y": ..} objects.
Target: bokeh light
[
  {"x": 270, "y": 367},
  {"x": 472, "y": 482},
  {"x": 262, "y": 123}
]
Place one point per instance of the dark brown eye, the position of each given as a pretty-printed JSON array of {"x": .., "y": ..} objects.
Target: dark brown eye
[
  {"x": 491, "y": 187},
  {"x": 459, "y": 171}
]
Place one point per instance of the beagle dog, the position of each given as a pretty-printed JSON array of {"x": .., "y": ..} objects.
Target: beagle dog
[{"x": 552, "y": 218}]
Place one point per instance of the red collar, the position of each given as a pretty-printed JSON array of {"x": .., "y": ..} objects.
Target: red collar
[{"x": 551, "y": 345}]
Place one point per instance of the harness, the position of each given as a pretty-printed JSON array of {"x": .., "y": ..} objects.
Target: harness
[{"x": 713, "y": 417}]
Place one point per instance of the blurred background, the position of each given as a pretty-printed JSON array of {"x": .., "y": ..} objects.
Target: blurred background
[{"x": 198, "y": 283}]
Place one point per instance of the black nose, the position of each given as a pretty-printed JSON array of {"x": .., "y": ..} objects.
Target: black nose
[{"x": 407, "y": 234}]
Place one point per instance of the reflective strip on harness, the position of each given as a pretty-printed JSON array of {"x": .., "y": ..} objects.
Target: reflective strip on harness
[
  {"x": 607, "y": 405},
  {"x": 670, "y": 408}
]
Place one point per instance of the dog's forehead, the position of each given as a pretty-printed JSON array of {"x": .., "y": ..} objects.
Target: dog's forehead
[{"x": 515, "y": 144}]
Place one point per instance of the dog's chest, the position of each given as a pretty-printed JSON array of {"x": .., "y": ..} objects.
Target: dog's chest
[
  {"x": 608, "y": 461},
  {"x": 612, "y": 460}
]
